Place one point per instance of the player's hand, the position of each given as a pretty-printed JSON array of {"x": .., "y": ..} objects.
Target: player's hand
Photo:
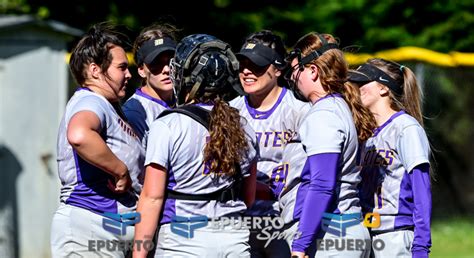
[
  {"x": 121, "y": 184},
  {"x": 297, "y": 255}
]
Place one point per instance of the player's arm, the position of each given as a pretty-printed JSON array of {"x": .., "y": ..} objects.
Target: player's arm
[
  {"x": 250, "y": 185},
  {"x": 149, "y": 206},
  {"x": 420, "y": 179},
  {"x": 323, "y": 168},
  {"x": 83, "y": 135}
]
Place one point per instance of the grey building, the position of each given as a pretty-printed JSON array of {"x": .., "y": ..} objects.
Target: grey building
[{"x": 34, "y": 83}]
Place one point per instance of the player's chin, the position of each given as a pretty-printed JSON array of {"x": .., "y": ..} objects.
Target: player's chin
[{"x": 250, "y": 89}]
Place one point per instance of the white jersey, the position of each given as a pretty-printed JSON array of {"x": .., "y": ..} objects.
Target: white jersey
[
  {"x": 294, "y": 157},
  {"x": 329, "y": 128},
  {"x": 273, "y": 128},
  {"x": 141, "y": 110},
  {"x": 398, "y": 146},
  {"x": 176, "y": 142},
  {"x": 84, "y": 185}
]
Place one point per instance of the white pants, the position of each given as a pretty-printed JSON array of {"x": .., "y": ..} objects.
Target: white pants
[
  {"x": 206, "y": 242},
  {"x": 77, "y": 232},
  {"x": 396, "y": 244},
  {"x": 345, "y": 246}
]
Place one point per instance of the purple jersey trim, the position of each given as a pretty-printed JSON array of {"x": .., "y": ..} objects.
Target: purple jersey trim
[
  {"x": 169, "y": 210},
  {"x": 264, "y": 114},
  {"x": 379, "y": 129},
  {"x": 83, "y": 88},
  {"x": 91, "y": 192},
  {"x": 333, "y": 95},
  {"x": 159, "y": 101},
  {"x": 320, "y": 197}
]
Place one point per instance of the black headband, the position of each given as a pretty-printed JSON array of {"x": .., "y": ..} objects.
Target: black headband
[{"x": 315, "y": 54}]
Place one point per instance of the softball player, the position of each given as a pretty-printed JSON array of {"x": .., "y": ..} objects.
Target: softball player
[
  {"x": 395, "y": 160},
  {"x": 274, "y": 114},
  {"x": 330, "y": 133},
  {"x": 99, "y": 155},
  {"x": 153, "y": 49},
  {"x": 199, "y": 168}
]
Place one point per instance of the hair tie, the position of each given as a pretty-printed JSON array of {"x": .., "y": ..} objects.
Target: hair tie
[{"x": 401, "y": 68}]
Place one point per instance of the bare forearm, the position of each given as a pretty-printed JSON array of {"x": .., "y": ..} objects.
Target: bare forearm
[{"x": 149, "y": 210}]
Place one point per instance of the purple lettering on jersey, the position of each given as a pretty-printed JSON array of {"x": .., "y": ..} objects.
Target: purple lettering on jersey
[
  {"x": 126, "y": 128},
  {"x": 259, "y": 136},
  {"x": 380, "y": 157},
  {"x": 276, "y": 139},
  {"x": 267, "y": 136}
]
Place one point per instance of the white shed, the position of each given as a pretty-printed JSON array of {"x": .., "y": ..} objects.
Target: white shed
[{"x": 34, "y": 82}]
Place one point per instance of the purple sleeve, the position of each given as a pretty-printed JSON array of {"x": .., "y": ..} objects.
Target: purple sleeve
[
  {"x": 323, "y": 168},
  {"x": 420, "y": 178}
]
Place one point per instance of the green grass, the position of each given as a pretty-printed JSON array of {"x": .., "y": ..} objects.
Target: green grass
[{"x": 452, "y": 238}]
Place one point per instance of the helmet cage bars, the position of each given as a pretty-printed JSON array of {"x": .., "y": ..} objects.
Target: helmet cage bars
[{"x": 203, "y": 59}]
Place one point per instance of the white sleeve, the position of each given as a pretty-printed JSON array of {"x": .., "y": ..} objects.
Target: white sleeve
[
  {"x": 322, "y": 132},
  {"x": 253, "y": 152},
  {"x": 414, "y": 147},
  {"x": 93, "y": 104},
  {"x": 158, "y": 144}
]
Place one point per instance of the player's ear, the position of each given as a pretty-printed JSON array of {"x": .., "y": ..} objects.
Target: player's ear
[
  {"x": 314, "y": 72},
  {"x": 384, "y": 91},
  {"x": 94, "y": 70},
  {"x": 141, "y": 71}
]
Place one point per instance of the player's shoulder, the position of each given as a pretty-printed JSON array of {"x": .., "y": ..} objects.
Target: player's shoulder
[
  {"x": 133, "y": 102},
  {"x": 292, "y": 102},
  {"x": 404, "y": 121},
  {"x": 238, "y": 102},
  {"x": 84, "y": 98}
]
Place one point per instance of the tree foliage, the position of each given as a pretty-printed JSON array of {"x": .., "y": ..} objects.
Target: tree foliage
[{"x": 439, "y": 25}]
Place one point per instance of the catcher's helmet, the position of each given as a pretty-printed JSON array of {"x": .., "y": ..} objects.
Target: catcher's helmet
[{"x": 203, "y": 63}]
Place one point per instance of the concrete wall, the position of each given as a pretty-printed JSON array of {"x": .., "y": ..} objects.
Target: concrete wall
[{"x": 33, "y": 91}]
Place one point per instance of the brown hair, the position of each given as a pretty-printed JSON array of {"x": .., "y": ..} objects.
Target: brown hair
[
  {"x": 94, "y": 47},
  {"x": 411, "y": 99},
  {"x": 227, "y": 145},
  {"x": 332, "y": 70}
]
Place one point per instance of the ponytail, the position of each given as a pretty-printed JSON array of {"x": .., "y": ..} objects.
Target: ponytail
[
  {"x": 227, "y": 145},
  {"x": 412, "y": 95}
]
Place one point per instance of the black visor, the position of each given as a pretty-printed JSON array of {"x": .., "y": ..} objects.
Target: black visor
[
  {"x": 368, "y": 73},
  {"x": 152, "y": 48},
  {"x": 261, "y": 55}
]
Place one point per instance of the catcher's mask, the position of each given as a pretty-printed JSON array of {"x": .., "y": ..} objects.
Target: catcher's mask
[
  {"x": 304, "y": 60},
  {"x": 202, "y": 63}
]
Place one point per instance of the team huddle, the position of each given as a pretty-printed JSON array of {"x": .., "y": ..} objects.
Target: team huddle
[{"x": 338, "y": 157}]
